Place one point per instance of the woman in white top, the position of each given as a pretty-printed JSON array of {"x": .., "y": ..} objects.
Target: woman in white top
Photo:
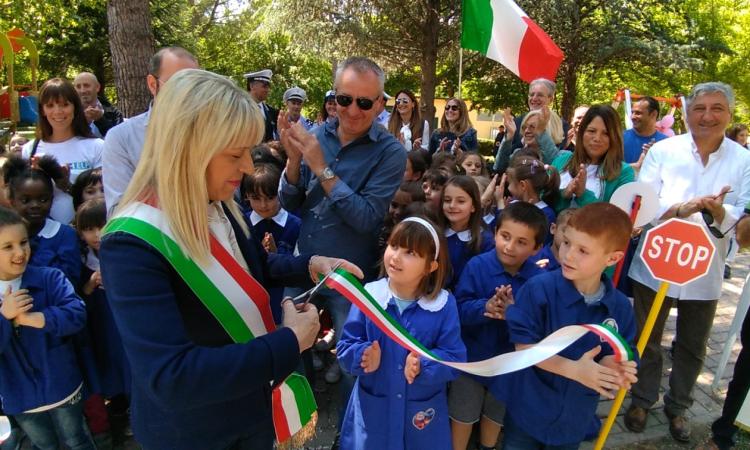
[
  {"x": 63, "y": 132},
  {"x": 597, "y": 167},
  {"x": 406, "y": 122}
]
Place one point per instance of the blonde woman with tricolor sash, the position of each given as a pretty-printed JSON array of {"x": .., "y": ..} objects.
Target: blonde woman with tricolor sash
[{"x": 186, "y": 284}]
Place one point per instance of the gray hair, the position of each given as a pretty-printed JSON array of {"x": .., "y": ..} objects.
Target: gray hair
[
  {"x": 550, "y": 85},
  {"x": 713, "y": 87},
  {"x": 361, "y": 64},
  {"x": 154, "y": 64}
]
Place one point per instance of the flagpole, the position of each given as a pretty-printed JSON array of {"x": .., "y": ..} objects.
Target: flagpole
[{"x": 460, "y": 68}]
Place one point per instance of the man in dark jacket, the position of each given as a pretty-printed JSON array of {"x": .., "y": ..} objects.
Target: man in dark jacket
[{"x": 100, "y": 113}]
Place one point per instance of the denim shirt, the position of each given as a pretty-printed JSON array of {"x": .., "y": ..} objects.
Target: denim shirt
[{"x": 345, "y": 223}]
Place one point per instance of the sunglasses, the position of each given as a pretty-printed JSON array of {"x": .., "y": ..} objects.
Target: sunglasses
[
  {"x": 452, "y": 108},
  {"x": 363, "y": 103},
  {"x": 404, "y": 101},
  {"x": 709, "y": 219}
]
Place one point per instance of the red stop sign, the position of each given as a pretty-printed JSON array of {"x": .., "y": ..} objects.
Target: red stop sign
[{"x": 677, "y": 251}]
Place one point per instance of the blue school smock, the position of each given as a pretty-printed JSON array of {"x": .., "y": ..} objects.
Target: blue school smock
[
  {"x": 105, "y": 342},
  {"x": 38, "y": 366},
  {"x": 485, "y": 337},
  {"x": 284, "y": 227},
  {"x": 193, "y": 387},
  {"x": 56, "y": 245},
  {"x": 546, "y": 253},
  {"x": 459, "y": 252},
  {"x": 549, "y": 213},
  {"x": 384, "y": 411},
  {"x": 553, "y": 409}
]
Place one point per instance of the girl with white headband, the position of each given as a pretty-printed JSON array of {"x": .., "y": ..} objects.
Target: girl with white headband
[{"x": 400, "y": 400}]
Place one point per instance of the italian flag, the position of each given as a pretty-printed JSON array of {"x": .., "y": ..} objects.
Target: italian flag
[{"x": 500, "y": 30}]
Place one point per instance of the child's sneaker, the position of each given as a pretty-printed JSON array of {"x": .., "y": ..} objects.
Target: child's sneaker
[
  {"x": 333, "y": 374},
  {"x": 317, "y": 362}
]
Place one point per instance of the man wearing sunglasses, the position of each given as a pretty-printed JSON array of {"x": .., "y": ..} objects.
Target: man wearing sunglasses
[
  {"x": 341, "y": 177},
  {"x": 703, "y": 177},
  {"x": 259, "y": 86}
]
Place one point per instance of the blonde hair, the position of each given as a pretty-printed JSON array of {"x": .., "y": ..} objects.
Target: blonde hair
[
  {"x": 555, "y": 128},
  {"x": 195, "y": 116}
]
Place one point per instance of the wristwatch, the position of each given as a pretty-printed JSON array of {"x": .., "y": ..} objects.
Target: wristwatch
[{"x": 326, "y": 174}]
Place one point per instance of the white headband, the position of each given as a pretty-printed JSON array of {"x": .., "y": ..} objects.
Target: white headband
[{"x": 430, "y": 228}]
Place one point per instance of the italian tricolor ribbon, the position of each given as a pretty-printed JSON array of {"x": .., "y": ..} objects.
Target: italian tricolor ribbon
[
  {"x": 349, "y": 287},
  {"x": 237, "y": 301}
]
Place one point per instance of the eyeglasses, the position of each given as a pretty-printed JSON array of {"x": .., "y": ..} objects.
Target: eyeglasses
[
  {"x": 709, "y": 219},
  {"x": 404, "y": 101},
  {"x": 363, "y": 103},
  {"x": 452, "y": 108}
]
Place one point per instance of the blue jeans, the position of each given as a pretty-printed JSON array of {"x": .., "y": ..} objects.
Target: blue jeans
[
  {"x": 515, "y": 438},
  {"x": 65, "y": 421}
]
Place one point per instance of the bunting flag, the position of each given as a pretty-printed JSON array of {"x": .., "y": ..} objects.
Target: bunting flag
[
  {"x": 348, "y": 286},
  {"x": 500, "y": 30}
]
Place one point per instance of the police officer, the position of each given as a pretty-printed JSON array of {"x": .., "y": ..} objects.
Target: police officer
[
  {"x": 294, "y": 98},
  {"x": 259, "y": 85}
]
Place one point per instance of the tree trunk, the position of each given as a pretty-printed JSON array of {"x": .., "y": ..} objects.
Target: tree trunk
[
  {"x": 131, "y": 40},
  {"x": 429, "y": 60},
  {"x": 569, "y": 90}
]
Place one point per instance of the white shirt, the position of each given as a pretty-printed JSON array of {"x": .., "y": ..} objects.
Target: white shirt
[
  {"x": 79, "y": 154},
  {"x": 122, "y": 151},
  {"x": 593, "y": 179},
  {"x": 674, "y": 169}
]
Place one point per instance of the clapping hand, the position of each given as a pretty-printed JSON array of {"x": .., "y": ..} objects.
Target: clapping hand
[
  {"x": 371, "y": 358},
  {"x": 412, "y": 367},
  {"x": 15, "y": 303}
]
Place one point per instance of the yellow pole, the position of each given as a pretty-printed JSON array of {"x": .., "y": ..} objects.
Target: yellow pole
[{"x": 641, "y": 345}]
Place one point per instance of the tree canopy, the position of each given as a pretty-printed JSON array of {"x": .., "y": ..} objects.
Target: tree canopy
[{"x": 656, "y": 47}]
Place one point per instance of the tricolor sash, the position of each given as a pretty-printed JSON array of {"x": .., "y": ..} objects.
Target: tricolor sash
[
  {"x": 348, "y": 286},
  {"x": 237, "y": 301}
]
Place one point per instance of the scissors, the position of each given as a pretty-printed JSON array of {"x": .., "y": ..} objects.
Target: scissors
[{"x": 305, "y": 297}]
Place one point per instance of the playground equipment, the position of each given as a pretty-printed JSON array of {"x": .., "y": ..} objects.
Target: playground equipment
[{"x": 11, "y": 43}]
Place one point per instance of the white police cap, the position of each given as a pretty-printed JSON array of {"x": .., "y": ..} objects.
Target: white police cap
[
  {"x": 295, "y": 93},
  {"x": 261, "y": 75}
]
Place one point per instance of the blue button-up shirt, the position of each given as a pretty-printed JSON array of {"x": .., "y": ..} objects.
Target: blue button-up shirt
[{"x": 345, "y": 223}]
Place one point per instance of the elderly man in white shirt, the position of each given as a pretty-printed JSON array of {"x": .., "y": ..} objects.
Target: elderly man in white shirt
[{"x": 698, "y": 175}]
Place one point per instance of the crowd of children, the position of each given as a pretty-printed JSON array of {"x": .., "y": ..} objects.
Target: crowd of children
[{"x": 473, "y": 265}]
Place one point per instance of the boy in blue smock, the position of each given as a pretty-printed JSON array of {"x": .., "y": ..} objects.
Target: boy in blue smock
[
  {"x": 486, "y": 286},
  {"x": 548, "y": 258},
  {"x": 40, "y": 381},
  {"x": 553, "y": 404},
  {"x": 271, "y": 226}
]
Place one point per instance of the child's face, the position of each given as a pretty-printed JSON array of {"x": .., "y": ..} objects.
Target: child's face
[
  {"x": 95, "y": 190},
  {"x": 457, "y": 207},
  {"x": 514, "y": 244},
  {"x": 405, "y": 267},
  {"x": 515, "y": 187},
  {"x": 409, "y": 174},
  {"x": 32, "y": 201},
  {"x": 558, "y": 233},
  {"x": 16, "y": 144},
  {"x": 432, "y": 194},
  {"x": 584, "y": 257},
  {"x": 472, "y": 165},
  {"x": 14, "y": 251},
  {"x": 265, "y": 206},
  {"x": 399, "y": 203},
  {"x": 92, "y": 237}
]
